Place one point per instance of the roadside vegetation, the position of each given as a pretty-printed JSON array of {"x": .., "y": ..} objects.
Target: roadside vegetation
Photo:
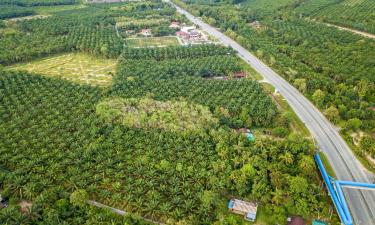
[
  {"x": 162, "y": 141},
  {"x": 333, "y": 68},
  {"x": 356, "y": 14}
]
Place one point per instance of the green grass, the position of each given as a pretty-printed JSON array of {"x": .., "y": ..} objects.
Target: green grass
[
  {"x": 327, "y": 165},
  {"x": 77, "y": 67},
  {"x": 152, "y": 42},
  {"x": 121, "y": 21},
  {"x": 250, "y": 71}
]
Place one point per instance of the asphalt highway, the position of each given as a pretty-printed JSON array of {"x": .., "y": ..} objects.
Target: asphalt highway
[{"x": 344, "y": 163}]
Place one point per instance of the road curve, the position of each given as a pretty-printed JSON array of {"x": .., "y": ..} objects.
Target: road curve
[{"x": 342, "y": 159}]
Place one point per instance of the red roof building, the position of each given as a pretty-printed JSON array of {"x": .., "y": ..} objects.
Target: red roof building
[
  {"x": 182, "y": 34},
  {"x": 146, "y": 32},
  {"x": 239, "y": 75},
  {"x": 175, "y": 25},
  {"x": 296, "y": 220}
]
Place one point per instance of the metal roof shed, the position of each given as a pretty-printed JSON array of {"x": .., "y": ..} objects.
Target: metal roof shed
[{"x": 248, "y": 209}]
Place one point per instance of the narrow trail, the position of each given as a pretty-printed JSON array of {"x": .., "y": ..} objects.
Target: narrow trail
[
  {"x": 118, "y": 211},
  {"x": 362, "y": 33}
]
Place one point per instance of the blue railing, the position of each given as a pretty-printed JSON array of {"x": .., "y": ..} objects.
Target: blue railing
[{"x": 335, "y": 190}]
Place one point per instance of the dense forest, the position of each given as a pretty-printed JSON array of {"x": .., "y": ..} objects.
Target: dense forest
[
  {"x": 333, "y": 68},
  {"x": 161, "y": 142},
  {"x": 50, "y": 125},
  {"x": 14, "y": 11},
  {"x": 348, "y": 13}
]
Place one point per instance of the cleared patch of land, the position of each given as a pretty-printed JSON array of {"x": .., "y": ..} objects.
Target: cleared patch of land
[
  {"x": 29, "y": 17},
  {"x": 77, "y": 67},
  {"x": 365, "y": 34},
  {"x": 152, "y": 42},
  {"x": 122, "y": 21}
]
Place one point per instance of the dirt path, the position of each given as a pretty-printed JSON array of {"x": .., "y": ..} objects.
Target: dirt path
[
  {"x": 118, "y": 211},
  {"x": 82, "y": 70},
  {"x": 364, "y": 34}
]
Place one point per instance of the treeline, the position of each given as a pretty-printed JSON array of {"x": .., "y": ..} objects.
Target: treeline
[
  {"x": 90, "y": 30},
  {"x": 50, "y": 125},
  {"x": 358, "y": 15},
  {"x": 208, "y": 66},
  {"x": 28, "y": 3},
  {"x": 14, "y": 11},
  {"x": 177, "y": 52}
]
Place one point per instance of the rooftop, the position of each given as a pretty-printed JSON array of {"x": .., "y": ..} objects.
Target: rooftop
[{"x": 248, "y": 209}]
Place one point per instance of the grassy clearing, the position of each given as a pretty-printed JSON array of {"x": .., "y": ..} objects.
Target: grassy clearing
[
  {"x": 327, "y": 165},
  {"x": 121, "y": 21},
  {"x": 152, "y": 42},
  {"x": 77, "y": 67}
]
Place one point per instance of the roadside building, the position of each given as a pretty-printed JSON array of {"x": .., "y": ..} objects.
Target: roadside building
[
  {"x": 129, "y": 32},
  {"x": 146, "y": 32},
  {"x": 239, "y": 75},
  {"x": 194, "y": 34},
  {"x": 182, "y": 34},
  {"x": 188, "y": 29},
  {"x": 175, "y": 25},
  {"x": 296, "y": 220},
  {"x": 247, "y": 209},
  {"x": 318, "y": 222},
  {"x": 247, "y": 133}
]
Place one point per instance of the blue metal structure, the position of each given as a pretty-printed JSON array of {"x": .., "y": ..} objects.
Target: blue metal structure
[{"x": 335, "y": 190}]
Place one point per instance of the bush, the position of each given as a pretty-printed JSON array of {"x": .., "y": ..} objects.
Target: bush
[{"x": 280, "y": 132}]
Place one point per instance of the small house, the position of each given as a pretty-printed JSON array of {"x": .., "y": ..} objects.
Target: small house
[
  {"x": 247, "y": 209},
  {"x": 146, "y": 32},
  {"x": 194, "y": 34},
  {"x": 175, "y": 25},
  {"x": 296, "y": 220},
  {"x": 182, "y": 34},
  {"x": 250, "y": 136},
  {"x": 239, "y": 75},
  {"x": 188, "y": 29},
  {"x": 318, "y": 222}
]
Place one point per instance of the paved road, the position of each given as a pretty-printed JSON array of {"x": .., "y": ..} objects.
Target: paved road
[{"x": 344, "y": 163}]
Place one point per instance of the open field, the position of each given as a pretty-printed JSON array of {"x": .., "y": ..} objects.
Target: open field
[
  {"x": 152, "y": 42},
  {"x": 78, "y": 67},
  {"x": 28, "y": 18}
]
